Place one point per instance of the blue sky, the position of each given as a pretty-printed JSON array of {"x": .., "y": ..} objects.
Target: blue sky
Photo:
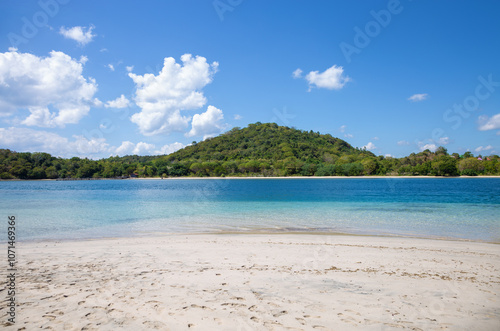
[{"x": 94, "y": 79}]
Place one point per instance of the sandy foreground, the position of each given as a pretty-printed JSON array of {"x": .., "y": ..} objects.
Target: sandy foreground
[{"x": 257, "y": 282}]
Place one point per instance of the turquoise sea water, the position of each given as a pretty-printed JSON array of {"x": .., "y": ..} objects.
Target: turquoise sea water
[{"x": 465, "y": 208}]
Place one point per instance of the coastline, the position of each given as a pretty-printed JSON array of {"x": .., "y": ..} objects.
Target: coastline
[
  {"x": 324, "y": 177},
  {"x": 259, "y": 232},
  {"x": 258, "y": 281},
  {"x": 250, "y": 177}
]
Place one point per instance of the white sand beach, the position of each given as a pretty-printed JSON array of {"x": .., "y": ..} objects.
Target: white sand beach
[{"x": 257, "y": 282}]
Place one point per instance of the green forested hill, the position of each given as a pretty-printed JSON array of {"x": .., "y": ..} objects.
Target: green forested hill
[
  {"x": 268, "y": 149},
  {"x": 268, "y": 142},
  {"x": 257, "y": 150}
]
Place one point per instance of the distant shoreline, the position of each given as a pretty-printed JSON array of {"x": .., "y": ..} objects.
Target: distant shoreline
[
  {"x": 322, "y": 177},
  {"x": 249, "y": 177}
]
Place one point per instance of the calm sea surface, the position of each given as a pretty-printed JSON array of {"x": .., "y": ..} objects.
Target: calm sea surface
[{"x": 466, "y": 208}]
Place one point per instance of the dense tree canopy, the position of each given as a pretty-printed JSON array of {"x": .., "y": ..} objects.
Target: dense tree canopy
[{"x": 257, "y": 150}]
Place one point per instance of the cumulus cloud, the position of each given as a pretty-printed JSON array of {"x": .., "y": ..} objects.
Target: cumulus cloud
[
  {"x": 176, "y": 88},
  {"x": 207, "y": 124},
  {"x": 403, "y": 143},
  {"x": 129, "y": 148},
  {"x": 97, "y": 102},
  {"x": 125, "y": 148},
  {"x": 83, "y": 59},
  {"x": 418, "y": 97},
  {"x": 51, "y": 88},
  {"x": 346, "y": 135},
  {"x": 129, "y": 68},
  {"x": 170, "y": 148},
  {"x": 431, "y": 147},
  {"x": 370, "y": 146},
  {"x": 297, "y": 73},
  {"x": 489, "y": 123},
  {"x": 120, "y": 102},
  {"x": 111, "y": 67},
  {"x": 80, "y": 34},
  {"x": 331, "y": 79},
  {"x": 444, "y": 140},
  {"x": 485, "y": 148},
  {"x": 142, "y": 148},
  {"x": 238, "y": 117},
  {"x": 29, "y": 140}
]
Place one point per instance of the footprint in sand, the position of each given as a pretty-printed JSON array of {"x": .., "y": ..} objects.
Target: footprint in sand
[
  {"x": 202, "y": 307},
  {"x": 301, "y": 320},
  {"x": 155, "y": 325},
  {"x": 233, "y": 304},
  {"x": 278, "y": 314},
  {"x": 237, "y": 298},
  {"x": 252, "y": 308}
]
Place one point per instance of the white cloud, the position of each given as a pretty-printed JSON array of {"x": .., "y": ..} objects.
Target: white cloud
[
  {"x": 120, "y": 102},
  {"x": 376, "y": 138},
  {"x": 486, "y": 148},
  {"x": 370, "y": 146},
  {"x": 389, "y": 155},
  {"x": 403, "y": 143},
  {"x": 125, "y": 148},
  {"x": 129, "y": 148},
  {"x": 142, "y": 148},
  {"x": 297, "y": 73},
  {"x": 85, "y": 147},
  {"x": 97, "y": 103},
  {"x": 238, "y": 117},
  {"x": 207, "y": 124},
  {"x": 83, "y": 59},
  {"x": 331, "y": 79},
  {"x": 431, "y": 147},
  {"x": 169, "y": 149},
  {"x": 176, "y": 88},
  {"x": 24, "y": 140},
  {"x": 346, "y": 135},
  {"x": 129, "y": 68},
  {"x": 103, "y": 50},
  {"x": 111, "y": 67},
  {"x": 78, "y": 34},
  {"x": 418, "y": 97},
  {"x": 29, "y": 140},
  {"x": 489, "y": 123},
  {"x": 444, "y": 140},
  {"x": 51, "y": 88}
]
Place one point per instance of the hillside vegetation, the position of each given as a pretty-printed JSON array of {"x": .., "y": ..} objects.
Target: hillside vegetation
[{"x": 257, "y": 150}]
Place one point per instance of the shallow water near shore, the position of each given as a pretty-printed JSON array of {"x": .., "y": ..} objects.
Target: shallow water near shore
[{"x": 451, "y": 208}]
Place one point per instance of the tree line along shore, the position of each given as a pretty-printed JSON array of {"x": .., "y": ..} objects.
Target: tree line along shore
[{"x": 265, "y": 150}]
